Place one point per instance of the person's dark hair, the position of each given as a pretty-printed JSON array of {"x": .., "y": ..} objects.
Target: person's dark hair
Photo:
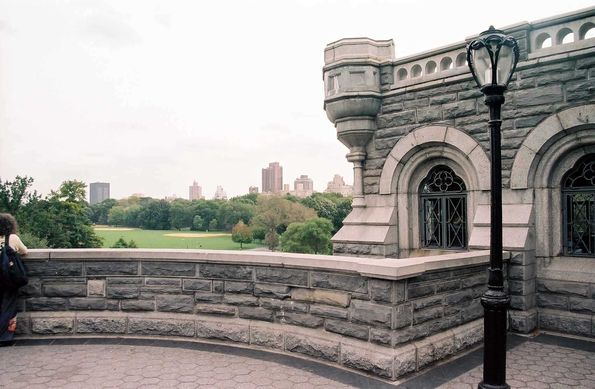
[{"x": 8, "y": 224}]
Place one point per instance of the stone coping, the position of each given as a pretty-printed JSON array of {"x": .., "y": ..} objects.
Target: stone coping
[
  {"x": 388, "y": 268},
  {"x": 331, "y": 348}
]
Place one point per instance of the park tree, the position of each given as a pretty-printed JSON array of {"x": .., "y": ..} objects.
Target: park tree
[
  {"x": 122, "y": 244},
  {"x": 62, "y": 218},
  {"x": 117, "y": 216},
  {"x": 241, "y": 233},
  {"x": 213, "y": 225},
  {"x": 258, "y": 233},
  {"x": 181, "y": 214},
  {"x": 154, "y": 215},
  {"x": 231, "y": 212},
  {"x": 99, "y": 213},
  {"x": 197, "y": 223},
  {"x": 274, "y": 213},
  {"x": 312, "y": 236},
  {"x": 331, "y": 206},
  {"x": 271, "y": 239},
  {"x": 14, "y": 194}
]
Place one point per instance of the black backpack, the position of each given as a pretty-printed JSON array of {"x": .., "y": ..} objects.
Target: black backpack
[{"x": 13, "y": 272}]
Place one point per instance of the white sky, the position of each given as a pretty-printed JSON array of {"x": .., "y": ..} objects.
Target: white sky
[{"x": 150, "y": 95}]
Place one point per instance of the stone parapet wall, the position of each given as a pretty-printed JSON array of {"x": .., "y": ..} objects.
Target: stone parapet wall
[
  {"x": 565, "y": 289},
  {"x": 231, "y": 296}
]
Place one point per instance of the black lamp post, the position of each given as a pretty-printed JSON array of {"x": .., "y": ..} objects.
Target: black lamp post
[{"x": 492, "y": 58}]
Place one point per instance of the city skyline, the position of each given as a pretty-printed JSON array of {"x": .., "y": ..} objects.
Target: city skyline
[{"x": 127, "y": 92}]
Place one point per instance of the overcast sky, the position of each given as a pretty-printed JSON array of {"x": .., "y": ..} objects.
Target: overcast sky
[{"x": 151, "y": 95}]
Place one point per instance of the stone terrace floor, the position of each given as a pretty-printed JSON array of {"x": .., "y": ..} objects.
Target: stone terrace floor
[{"x": 542, "y": 362}]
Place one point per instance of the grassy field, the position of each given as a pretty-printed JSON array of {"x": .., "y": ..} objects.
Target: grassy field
[{"x": 170, "y": 239}]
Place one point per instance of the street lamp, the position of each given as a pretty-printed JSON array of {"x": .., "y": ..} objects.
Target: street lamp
[{"x": 492, "y": 58}]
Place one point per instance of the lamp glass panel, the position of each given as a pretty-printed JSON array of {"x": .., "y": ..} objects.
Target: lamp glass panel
[
  {"x": 482, "y": 64},
  {"x": 505, "y": 62}
]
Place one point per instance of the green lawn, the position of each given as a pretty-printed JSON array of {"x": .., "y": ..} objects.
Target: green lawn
[{"x": 160, "y": 239}]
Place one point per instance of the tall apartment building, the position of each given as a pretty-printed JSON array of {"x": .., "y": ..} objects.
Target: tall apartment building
[
  {"x": 195, "y": 192},
  {"x": 337, "y": 185},
  {"x": 98, "y": 191},
  {"x": 220, "y": 194},
  {"x": 303, "y": 186},
  {"x": 272, "y": 178}
]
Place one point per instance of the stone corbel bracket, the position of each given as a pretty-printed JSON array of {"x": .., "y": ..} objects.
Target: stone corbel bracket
[{"x": 352, "y": 85}]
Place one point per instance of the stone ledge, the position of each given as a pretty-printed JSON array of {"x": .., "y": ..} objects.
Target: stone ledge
[
  {"x": 392, "y": 269},
  {"x": 379, "y": 361}
]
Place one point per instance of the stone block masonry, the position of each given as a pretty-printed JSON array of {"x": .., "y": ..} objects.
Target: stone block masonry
[{"x": 327, "y": 311}]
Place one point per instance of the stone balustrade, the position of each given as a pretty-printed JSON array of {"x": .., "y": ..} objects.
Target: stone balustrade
[{"x": 384, "y": 317}]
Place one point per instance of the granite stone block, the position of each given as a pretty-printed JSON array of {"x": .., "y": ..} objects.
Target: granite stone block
[
  {"x": 223, "y": 331},
  {"x": 232, "y": 272},
  {"x": 339, "y": 282},
  {"x": 168, "y": 269},
  {"x": 111, "y": 268},
  {"x": 255, "y": 313},
  {"x": 183, "y": 304},
  {"x": 282, "y": 276},
  {"x": 313, "y": 347},
  {"x": 346, "y": 328},
  {"x": 94, "y": 325},
  {"x": 170, "y": 327}
]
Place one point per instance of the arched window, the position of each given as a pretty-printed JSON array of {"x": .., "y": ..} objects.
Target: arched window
[
  {"x": 443, "y": 200},
  {"x": 578, "y": 208}
]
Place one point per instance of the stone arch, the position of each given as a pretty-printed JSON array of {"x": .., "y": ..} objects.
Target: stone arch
[
  {"x": 565, "y": 124},
  {"x": 409, "y": 162},
  {"x": 460, "y": 147},
  {"x": 548, "y": 152}
]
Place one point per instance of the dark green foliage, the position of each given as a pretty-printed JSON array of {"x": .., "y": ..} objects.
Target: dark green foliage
[
  {"x": 61, "y": 220},
  {"x": 122, "y": 244},
  {"x": 155, "y": 215},
  {"x": 312, "y": 237},
  {"x": 14, "y": 194},
  {"x": 213, "y": 225},
  {"x": 258, "y": 233},
  {"x": 331, "y": 206},
  {"x": 181, "y": 214},
  {"x": 99, "y": 213},
  {"x": 32, "y": 241},
  {"x": 197, "y": 224}
]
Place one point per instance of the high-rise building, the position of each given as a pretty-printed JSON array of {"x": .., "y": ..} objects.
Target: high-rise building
[
  {"x": 303, "y": 186},
  {"x": 220, "y": 193},
  {"x": 98, "y": 191},
  {"x": 337, "y": 185},
  {"x": 272, "y": 178},
  {"x": 253, "y": 189},
  {"x": 195, "y": 192}
]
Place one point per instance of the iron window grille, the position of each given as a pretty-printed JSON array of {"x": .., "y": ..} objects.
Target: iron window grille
[
  {"x": 443, "y": 212},
  {"x": 578, "y": 208}
]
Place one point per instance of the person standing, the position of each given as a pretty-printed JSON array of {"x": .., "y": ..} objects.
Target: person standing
[{"x": 8, "y": 297}]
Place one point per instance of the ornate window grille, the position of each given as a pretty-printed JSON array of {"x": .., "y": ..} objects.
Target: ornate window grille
[
  {"x": 443, "y": 200},
  {"x": 578, "y": 208}
]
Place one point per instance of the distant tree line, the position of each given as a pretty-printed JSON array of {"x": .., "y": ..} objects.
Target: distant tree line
[
  {"x": 64, "y": 219},
  {"x": 264, "y": 218}
]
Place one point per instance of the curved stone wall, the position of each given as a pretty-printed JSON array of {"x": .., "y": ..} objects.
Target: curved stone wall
[{"x": 384, "y": 317}]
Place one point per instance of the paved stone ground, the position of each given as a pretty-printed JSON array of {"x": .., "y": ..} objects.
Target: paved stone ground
[
  {"x": 537, "y": 365},
  {"x": 125, "y": 366},
  {"x": 544, "y": 362}
]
